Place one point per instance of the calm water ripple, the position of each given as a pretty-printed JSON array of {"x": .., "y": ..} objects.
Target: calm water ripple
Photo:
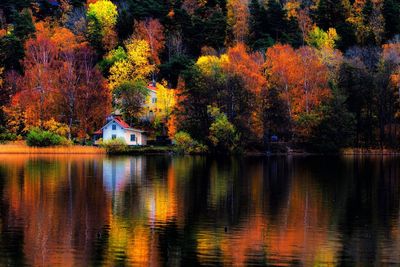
[{"x": 190, "y": 211}]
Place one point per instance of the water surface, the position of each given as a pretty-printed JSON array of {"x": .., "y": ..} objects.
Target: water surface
[{"x": 188, "y": 211}]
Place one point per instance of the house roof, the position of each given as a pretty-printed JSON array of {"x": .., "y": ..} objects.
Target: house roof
[
  {"x": 122, "y": 123},
  {"x": 151, "y": 87}
]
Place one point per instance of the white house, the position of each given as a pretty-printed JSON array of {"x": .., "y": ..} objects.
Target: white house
[{"x": 117, "y": 128}]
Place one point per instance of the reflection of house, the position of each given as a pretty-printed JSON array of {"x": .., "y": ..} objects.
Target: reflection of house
[
  {"x": 118, "y": 172},
  {"x": 117, "y": 128}
]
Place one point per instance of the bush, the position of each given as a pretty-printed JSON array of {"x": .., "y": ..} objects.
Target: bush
[
  {"x": 223, "y": 135},
  {"x": 6, "y": 136},
  {"x": 186, "y": 144},
  {"x": 56, "y": 127},
  {"x": 41, "y": 138},
  {"x": 115, "y": 146}
]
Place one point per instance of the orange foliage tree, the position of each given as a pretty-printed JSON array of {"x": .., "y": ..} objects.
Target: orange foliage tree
[
  {"x": 302, "y": 80},
  {"x": 60, "y": 82},
  {"x": 152, "y": 31}
]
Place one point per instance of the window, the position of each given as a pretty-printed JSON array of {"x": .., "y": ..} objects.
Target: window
[
  {"x": 114, "y": 127},
  {"x": 133, "y": 138},
  {"x": 114, "y": 136},
  {"x": 154, "y": 100}
]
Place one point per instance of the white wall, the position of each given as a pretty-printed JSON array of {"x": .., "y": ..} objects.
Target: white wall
[
  {"x": 108, "y": 131},
  {"x": 123, "y": 133}
]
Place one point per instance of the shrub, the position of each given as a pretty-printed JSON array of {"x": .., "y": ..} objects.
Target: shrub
[
  {"x": 223, "y": 135},
  {"x": 186, "y": 144},
  {"x": 56, "y": 127},
  {"x": 41, "y": 138},
  {"x": 6, "y": 136},
  {"x": 115, "y": 146}
]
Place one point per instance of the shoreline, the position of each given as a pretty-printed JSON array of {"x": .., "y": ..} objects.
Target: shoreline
[{"x": 20, "y": 147}]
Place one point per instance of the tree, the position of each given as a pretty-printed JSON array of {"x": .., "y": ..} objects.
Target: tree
[
  {"x": 281, "y": 71},
  {"x": 165, "y": 101},
  {"x": 102, "y": 18},
  {"x": 130, "y": 97},
  {"x": 305, "y": 23},
  {"x": 390, "y": 11},
  {"x": 366, "y": 17},
  {"x": 259, "y": 36},
  {"x": 135, "y": 67},
  {"x": 237, "y": 20},
  {"x": 302, "y": 81},
  {"x": 222, "y": 134},
  {"x": 152, "y": 31},
  {"x": 40, "y": 64},
  {"x": 356, "y": 82},
  {"x": 60, "y": 82},
  {"x": 320, "y": 39},
  {"x": 334, "y": 14}
]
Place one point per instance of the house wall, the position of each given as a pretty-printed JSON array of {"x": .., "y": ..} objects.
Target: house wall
[
  {"x": 108, "y": 132},
  {"x": 150, "y": 107},
  {"x": 140, "y": 138},
  {"x": 123, "y": 133}
]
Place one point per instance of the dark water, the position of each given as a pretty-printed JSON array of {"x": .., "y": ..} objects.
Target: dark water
[{"x": 187, "y": 211}]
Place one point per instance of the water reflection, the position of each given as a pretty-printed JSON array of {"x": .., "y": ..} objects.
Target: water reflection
[{"x": 163, "y": 210}]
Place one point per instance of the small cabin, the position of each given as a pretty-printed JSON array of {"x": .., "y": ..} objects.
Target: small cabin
[{"x": 117, "y": 128}]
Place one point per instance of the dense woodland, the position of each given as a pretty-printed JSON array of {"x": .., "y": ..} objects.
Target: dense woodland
[{"x": 320, "y": 74}]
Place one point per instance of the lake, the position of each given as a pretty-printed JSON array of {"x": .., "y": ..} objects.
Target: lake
[{"x": 188, "y": 210}]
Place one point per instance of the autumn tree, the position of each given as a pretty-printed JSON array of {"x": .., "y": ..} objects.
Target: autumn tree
[
  {"x": 102, "y": 18},
  {"x": 237, "y": 19},
  {"x": 38, "y": 86},
  {"x": 152, "y": 31},
  {"x": 136, "y": 66},
  {"x": 61, "y": 82},
  {"x": 321, "y": 39},
  {"x": 165, "y": 101},
  {"x": 130, "y": 97},
  {"x": 367, "y": 19},
  {"x": 302, "y": 80}
]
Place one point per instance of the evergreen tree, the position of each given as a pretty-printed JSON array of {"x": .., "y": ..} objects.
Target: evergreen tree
[
  {"x": 331, "y": 14},
  {"x": 391, "y": 13}
]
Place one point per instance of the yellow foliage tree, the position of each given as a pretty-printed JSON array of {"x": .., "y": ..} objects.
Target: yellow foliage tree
[
  {"x": 212, "y": 65},
  {"x": 321, "y": 39},
  {"x": 105, "y": 12},
  {"x": 102, "y": 18},
  {"x": 165, "y": 101},
  {"x": 135, "y": 67},
  {"x": 56, "y": 127}
]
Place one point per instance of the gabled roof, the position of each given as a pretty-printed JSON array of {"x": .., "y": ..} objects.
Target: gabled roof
[
  {"x": 151, "y": 87},
  {"x": 121, "y": 123}
]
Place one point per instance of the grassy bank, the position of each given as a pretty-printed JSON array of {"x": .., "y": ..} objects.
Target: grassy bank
[
  {"x": 22, "y": 148},
  {"x": 137, "y": 150}
]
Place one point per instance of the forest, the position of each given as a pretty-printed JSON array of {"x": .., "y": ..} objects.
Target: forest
[{"x": 230, "y": 74}]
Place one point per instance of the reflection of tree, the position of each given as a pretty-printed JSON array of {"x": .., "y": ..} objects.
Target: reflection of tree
[
  {"x": 198, "y": 210},
  {"x": 11, "y": 232},
  {"x": 57, "y": 206}
]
